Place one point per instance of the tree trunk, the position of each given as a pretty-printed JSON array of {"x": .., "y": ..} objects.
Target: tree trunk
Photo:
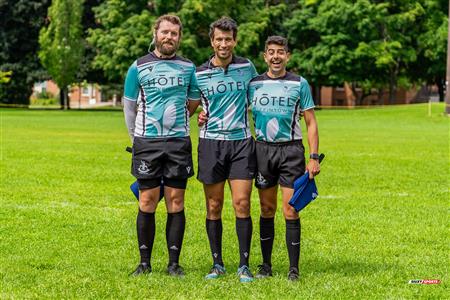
[
  {"x": 440, "y": 84},
  {"x": 67, "y": 98},
  {"x": 318, "y": 95},
  {"x": 66, "y": 106},
  {"x": 392, "y": 87},
  {"x": 380, "y": 96},
  {"x": 447, "y": 90},
  {"x": 61, "y": 98}
]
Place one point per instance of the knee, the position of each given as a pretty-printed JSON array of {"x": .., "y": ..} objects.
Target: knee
[
  {"x": 290, "y": 213},
  {"x": 147, "y": 203},
  {"x": 242, "y": 206},
  {"x": 214, "y": 208},
  {"x": 268, "y": 210},
  {"x": 177, "y": 204}
]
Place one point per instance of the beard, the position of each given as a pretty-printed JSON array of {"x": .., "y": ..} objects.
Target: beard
[
  {"x": 167, "y": 48},
  {"x": 225, "y": 56}
]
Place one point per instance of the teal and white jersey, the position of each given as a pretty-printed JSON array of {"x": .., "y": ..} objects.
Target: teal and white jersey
[
  {"x": 161, "y": 88},
  {"x": 224, "y": 99},
  {"x": 277, "y": 104}
]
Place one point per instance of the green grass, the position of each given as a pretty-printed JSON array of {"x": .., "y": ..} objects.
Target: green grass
[{"x": 67, "y": 217}]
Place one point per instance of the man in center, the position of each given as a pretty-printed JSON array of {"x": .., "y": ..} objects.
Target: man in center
[{"x": 226, "y": 149}]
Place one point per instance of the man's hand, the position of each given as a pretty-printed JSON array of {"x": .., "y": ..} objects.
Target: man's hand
[
  {"x": 202, "y": 118},
  {"x": 313, "y": 168}
]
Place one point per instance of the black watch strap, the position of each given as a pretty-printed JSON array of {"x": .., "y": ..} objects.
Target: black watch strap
[{"x": 314, "y": 156}]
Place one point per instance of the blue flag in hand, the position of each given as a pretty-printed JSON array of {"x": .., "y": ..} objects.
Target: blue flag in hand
[
  {"x": 305, "y": 191},
  {"x": 134, "y": 187}
]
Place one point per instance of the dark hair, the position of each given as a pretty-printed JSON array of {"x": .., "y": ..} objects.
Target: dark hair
[
  {"x": 224, "y": 24},
  {"x": 277, "y": 40},
  {"x": 169, "y": 18}
]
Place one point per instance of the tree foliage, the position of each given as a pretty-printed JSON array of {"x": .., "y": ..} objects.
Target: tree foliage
[
  {"x": 61, "y": 44},
  {"x": 20, "y": 22}
]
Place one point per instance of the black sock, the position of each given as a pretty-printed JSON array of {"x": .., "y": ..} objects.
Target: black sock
[
  {"x": 174, "y": 235},
  {"x": 266, "y": 236},
  {"x": 244, "y": 230},
  {"x": 214, "y": 230},
  {"x": 145, "y": 224},
  {"x": 293, "y": 229}
]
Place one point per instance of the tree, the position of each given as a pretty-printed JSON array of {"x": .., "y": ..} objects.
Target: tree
[
  {"x": 122, "y": 35},
  {"x": 20, "y": 22},
  {"x": 432, "y": 45},
  {"x": 61, "y": 44}
]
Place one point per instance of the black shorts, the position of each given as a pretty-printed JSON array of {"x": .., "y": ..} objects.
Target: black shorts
[
  {"x": 219, "y": 160},
  {"x": 156, "y": 158},
  {"x": 279, "y": 163}
]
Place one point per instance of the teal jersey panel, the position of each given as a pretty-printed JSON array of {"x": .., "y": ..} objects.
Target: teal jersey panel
[
  {"x": 224, "y": 99},
  {"x": 161, "y": 88},
  {"x": 277, "y": 105}
]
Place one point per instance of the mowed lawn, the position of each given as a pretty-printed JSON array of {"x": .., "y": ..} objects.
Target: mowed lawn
[{"x": 67, "y": 217}]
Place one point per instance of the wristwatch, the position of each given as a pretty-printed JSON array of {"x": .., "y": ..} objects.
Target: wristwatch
[{"x": 314, "y": 156}]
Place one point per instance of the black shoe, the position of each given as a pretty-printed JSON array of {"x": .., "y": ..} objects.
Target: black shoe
[
  {"x": 264, "y": 270},
  {"x": 293, "y": 274},
  {"x": 175, "y": 270},
  {"x": 142, "y": 268}
]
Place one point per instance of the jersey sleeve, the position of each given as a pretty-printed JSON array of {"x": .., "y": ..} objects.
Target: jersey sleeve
[
  {"x": 253, "y": 70},
  {"x": 131, "y": 89},
  {"x": 306, "y": 100},
  {"x": 194, "y": 90}
]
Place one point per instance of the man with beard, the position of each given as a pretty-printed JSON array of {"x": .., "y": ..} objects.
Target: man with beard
[
  {"x": 278, "y": 99},
  {"x": 157, "y": 110},
  {"x": 226, "y": 147}
]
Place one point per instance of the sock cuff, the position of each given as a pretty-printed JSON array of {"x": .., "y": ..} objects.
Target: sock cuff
[
  {"x": 266, "y": 221},
  {"x": 243, "y": 221},
  {"x": 180, "y": 213},
  {"x": 213, "y": 221},
  {"x": 293, "y": 223},
  {"x": 146, "y": 213}
]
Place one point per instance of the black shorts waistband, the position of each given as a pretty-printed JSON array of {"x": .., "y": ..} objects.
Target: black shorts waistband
[{"x": 294, "y": 142}]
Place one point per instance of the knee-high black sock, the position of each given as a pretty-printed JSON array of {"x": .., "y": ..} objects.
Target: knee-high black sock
[
  {"x": 174, "y": 234},
  {"x": 214, "y": 230},
  {"x": 145, "y": 224},
  {"x": 266, "y": 236},
  {"x": 293, "y": 229},
  {"x": 244, "y": 229}
]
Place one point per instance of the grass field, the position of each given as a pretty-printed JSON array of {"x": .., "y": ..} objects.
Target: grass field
[{"x": 67, "y": 217}]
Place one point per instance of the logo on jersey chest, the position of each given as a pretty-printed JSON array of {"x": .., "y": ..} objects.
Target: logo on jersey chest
[
  {"x": 274, "y": 101},
  {"x": 223, "y": 87},
  {"x": 165, "y": 81}
]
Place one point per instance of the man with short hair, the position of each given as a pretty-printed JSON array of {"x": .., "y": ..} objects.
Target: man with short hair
[
  {"x": 159, "y": 85},
  {"x": 226, "y": 147},
  {"x": 278, "y": 99}
]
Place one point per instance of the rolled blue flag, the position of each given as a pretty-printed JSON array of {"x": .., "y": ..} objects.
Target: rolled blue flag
[{"x": 305, "y": 191}]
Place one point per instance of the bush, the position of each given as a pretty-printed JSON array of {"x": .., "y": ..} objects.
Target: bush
[{"x": 44, "y": 101}]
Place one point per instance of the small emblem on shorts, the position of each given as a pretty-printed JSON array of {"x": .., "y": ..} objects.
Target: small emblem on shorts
[
  {"x": 188, "y": 169},
  {"x": 143, "y": 168},
  {"x": 260, "y": 179}
]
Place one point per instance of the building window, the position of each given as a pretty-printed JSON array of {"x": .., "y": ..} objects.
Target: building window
[{"x": 85, "y": 91}]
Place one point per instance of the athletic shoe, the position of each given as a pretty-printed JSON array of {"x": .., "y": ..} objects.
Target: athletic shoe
[
  {"x": 264, "y": 270},
  {"x": 293, "y": 274},
  {"x": 216, "y": 271},
  {"x": 244, "y": 274},
  {"x": 142, "y": 268},
  {"x": 175, "y": 270}
]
